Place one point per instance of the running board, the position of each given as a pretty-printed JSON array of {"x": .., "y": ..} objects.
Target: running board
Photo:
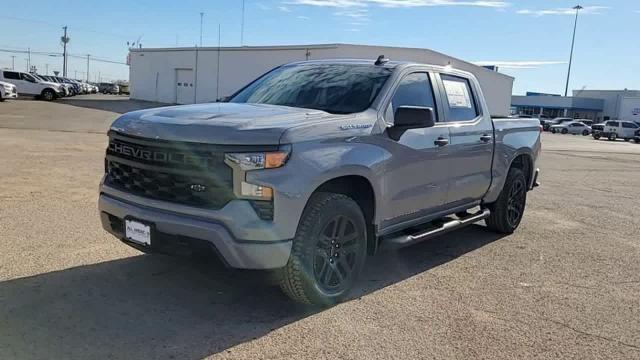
[{"x": 406, "y": 240}]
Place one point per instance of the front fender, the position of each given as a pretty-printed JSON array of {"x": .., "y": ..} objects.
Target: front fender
[{"x": 310, "y": 165}]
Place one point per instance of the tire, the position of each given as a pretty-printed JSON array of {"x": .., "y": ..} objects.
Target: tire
[
  {"x": 612, "y": 136},
  {"x": 313, "y": 273},
  {"x": 627, "y": 139},
  {"x": 507, "y": 211},
  {"x": 564, "y": 131},
  {"x": 585, "y": 133},
  {"x": 553, "y": 131},
  {"x": 48, "y": 95},
  {"x": 637, "y": 140},
  {"x": 596, "y": 136}
]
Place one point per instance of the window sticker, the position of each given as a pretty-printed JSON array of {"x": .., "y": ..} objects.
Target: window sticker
[{"x": 457, "y": 94}]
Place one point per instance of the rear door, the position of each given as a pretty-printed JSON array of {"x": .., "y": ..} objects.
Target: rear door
[
  {"x": 14, "y": 78},
  {"x": 470, "y": 152}
]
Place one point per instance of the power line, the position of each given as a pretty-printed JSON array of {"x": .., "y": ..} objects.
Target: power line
[{"x": 55, "y": 54}]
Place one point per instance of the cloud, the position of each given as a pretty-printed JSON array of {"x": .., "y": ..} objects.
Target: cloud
[
  {"x": 330, "y": 3},
  {"x": 529, "y": 64},
  {"x": 353, "y": 30},
  {"x": 302, "y": 17},
  {"x": 284, "y": 8},
  {"x": 400, "y": 3},
  {"x": 593, "y": 10},
  {"x": 354, "y": 14}
]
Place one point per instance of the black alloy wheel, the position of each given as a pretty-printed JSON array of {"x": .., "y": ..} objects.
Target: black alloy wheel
[
  {"x": 516, "y": 202},
  {"x": 336, "y": 256}
]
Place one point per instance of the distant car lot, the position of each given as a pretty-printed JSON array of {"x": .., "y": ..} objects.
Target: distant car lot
[{"x": 564, "y": 286}]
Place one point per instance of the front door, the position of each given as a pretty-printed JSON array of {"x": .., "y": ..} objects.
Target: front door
[
  {"x": 471, "y": 147},
  {"x": 185, "y": 91},
  {"x": 416, "y": 183}
]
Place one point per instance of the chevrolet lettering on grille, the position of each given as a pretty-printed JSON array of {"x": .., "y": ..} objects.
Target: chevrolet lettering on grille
[{"x": 158, "y": 156}]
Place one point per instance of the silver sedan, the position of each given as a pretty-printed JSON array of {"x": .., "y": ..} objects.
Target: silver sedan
[{"x": 574, "y": 127}]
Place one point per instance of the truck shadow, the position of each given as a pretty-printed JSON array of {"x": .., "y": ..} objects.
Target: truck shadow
[
  {"x": 152, "y": 306},
  {"x": 114, "y": 103}
]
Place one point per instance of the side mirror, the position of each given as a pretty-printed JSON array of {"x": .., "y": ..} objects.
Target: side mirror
[
  {"x": 224, "y": 99},
  {"x": 411, "y": 117}
]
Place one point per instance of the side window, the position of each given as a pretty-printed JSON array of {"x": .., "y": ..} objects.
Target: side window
[
  {"x": 28, "y": 77},
  {"x": 11, "y": 75},
  {"x": 460, "y": 98},
  {"x": 414, "y": 90},
  {"x": 613, "y": 123},
  {"x": 629, "y": 125}
]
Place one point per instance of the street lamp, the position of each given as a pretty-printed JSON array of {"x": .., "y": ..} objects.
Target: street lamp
[{"x": 577, "y": 8}]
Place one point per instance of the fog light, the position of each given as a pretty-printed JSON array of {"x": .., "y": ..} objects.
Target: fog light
[{"x": 256, "y": 191}]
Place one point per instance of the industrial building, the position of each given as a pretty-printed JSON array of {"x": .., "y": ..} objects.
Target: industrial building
[
  {"x": 597, "y": 105},
  {"x": 196, "y": 75}
]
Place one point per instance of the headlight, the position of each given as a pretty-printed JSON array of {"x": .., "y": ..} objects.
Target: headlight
[
  {"x": 255, "y": 161},
  {"x": 243, "y": 162}
]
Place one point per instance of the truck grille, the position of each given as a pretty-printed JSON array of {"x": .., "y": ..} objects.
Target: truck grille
[
  {"x": 167, "y": 186},
  {"x": 190, "y": 174}
]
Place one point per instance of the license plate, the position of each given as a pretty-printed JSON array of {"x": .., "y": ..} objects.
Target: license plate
[{"x": 138, "y": 232}]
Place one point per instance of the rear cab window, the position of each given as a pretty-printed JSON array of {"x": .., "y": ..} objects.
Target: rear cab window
[{"x": 460, "y": 101}]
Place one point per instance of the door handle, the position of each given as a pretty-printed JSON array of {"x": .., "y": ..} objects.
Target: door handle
[
  {"x": 486, "y": 138},
  {"x": 441, "y": 141}
]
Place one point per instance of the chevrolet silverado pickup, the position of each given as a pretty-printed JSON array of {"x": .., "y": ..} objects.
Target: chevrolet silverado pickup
[{"x": 316, "y": 165}]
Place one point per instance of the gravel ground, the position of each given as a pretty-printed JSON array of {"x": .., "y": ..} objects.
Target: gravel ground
[{"x": 565, "y": 285}]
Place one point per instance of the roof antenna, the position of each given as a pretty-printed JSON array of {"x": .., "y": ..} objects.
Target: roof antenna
[{"x": 381, "y": 60}]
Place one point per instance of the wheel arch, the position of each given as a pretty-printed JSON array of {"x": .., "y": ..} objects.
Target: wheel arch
[
  {"x": 524, "y": 161},
  {"x": 361, "y": 190}
]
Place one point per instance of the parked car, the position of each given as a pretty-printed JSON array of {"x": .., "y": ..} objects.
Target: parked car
[
  {"x": 636, "y": 136},
  {"x": 8, "y": 91},
  {"x": 585, "y": 121},
  {"x": 547, "y": 124},
  {"x": 574, "y": 127},
  {"x": 614, "y": 129},
  {"x": 27, "y": 84},
  {"x": 109, "y": 88},
  {"x": 316, "y": 165}
]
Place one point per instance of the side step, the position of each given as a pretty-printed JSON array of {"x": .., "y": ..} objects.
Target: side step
[{"x": 396, "y": 242}]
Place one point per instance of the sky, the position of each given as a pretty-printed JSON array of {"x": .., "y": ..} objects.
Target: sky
[{"x": 529, "y": 39}]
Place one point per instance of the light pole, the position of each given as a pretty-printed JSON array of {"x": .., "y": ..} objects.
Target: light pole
[
  {"x": 577, "y": 8},
  {"x": 242, "y": 26},
  {"x": 201, "y": 17}
]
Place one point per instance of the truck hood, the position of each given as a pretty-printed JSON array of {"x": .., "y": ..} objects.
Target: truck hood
[{"x": 219, "y": 123}]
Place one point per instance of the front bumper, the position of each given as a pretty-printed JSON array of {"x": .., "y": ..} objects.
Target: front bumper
[
  {"x": 178, "y": 233},
  {"x": 9, "y": 94}
]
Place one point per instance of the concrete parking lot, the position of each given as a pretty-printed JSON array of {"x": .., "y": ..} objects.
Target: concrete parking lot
[{"x": 565, "y": 285}]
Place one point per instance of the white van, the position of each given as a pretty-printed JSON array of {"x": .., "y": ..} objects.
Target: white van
[
  {"x": 614, "y": 129},
  {"x": 29, "y": 85}
]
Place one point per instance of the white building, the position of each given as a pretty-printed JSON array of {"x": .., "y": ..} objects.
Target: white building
[
  {"x": 188, "y": 75},
  {"x": 618, "y": 104}
]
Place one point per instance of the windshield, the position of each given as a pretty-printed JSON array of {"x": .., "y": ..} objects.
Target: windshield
[{"x": 338, "y": 89}]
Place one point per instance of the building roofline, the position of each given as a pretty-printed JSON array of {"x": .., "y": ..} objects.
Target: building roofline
[{"x": 311, "y": 46}]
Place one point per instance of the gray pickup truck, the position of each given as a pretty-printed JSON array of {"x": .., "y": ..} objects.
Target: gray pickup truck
[{"x": 316, "y": 165}]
